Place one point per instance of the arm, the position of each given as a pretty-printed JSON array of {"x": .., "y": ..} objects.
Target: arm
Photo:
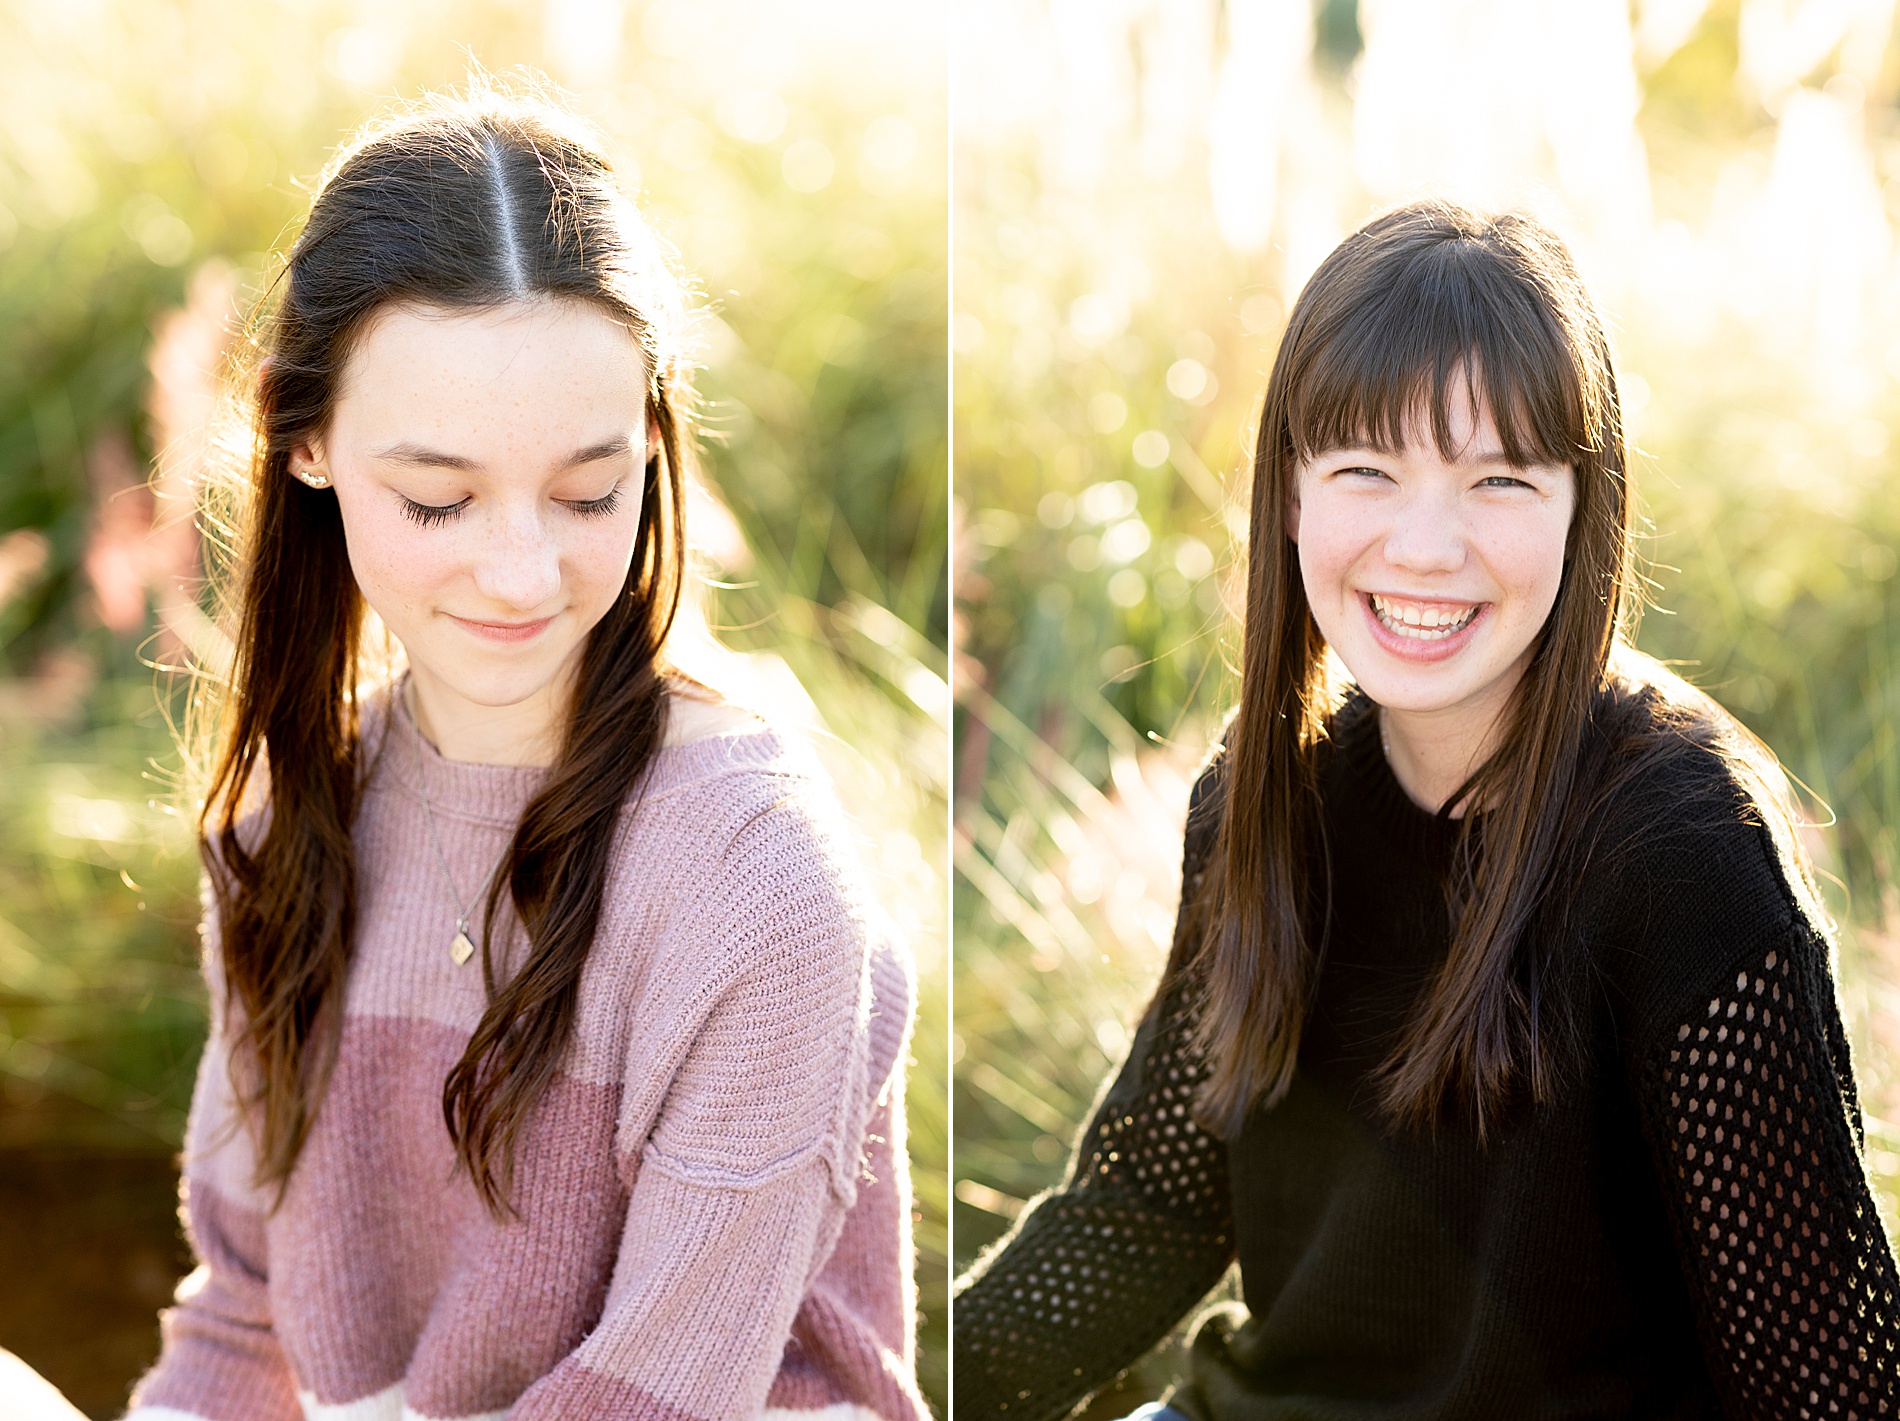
[
  {"x": 855, "y": 1330},
  {"x": 1746, "y": 1091},
  {"x": 754, "y": 1164},
  {"x": 220, "y": 1359},
  {"x": 1751, "y": 1109},
  {"x": 1098, "y": 1270}
]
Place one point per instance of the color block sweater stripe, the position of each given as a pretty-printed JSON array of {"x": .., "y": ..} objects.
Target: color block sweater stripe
[{"x": 714, "y": 1207}]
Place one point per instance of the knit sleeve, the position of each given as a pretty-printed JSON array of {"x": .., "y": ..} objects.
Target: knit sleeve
[
  {"x": 1753, "y": 1110},
  {"x": 1098, "y": 1270},
  {"x": 1748, "y": 1099},
  {"x": 220, "y": 1360},
  {"x": 759, "y": 1269}
]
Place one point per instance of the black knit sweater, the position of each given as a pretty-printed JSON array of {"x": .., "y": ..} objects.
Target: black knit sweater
[{"x": 1686, "y": 1230}]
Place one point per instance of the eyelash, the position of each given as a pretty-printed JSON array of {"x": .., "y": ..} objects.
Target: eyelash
[
  {"x": 601, "y": 507},
  {"x": 430, "y": 515},
  {"x": 1491, "y": 481}
]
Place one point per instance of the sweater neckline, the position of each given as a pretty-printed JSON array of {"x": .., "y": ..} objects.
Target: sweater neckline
[
  {"x": 1372, "y": 790},
  {"x": 497, "y": 794}
]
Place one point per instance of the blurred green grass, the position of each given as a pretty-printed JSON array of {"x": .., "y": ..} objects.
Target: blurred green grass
[
  {"x": 1111, "y": 352},
  {"x": 145, "y": 144},
  {"x": 100, "y": 1002}
]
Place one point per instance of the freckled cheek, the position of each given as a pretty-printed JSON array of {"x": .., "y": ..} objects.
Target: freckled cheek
[
  {"x": 398, "y": 565},
  {"x": 594, "y": 564},
  {"x": 1332, "y": 545},
  {"x": 1527, "y": 562}
]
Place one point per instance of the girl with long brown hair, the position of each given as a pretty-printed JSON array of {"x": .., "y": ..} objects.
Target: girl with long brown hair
[
  {"x": 1499, "y": 1042},
  {"x": 556, "y": 1060}
]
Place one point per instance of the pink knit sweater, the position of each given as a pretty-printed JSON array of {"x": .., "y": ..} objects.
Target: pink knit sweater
[{"x": 714, "y": 1205}]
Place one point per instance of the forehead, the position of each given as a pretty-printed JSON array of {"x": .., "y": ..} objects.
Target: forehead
[
  {"x": 1450, "y": 406},
  {"x": 519, "y": 373}
]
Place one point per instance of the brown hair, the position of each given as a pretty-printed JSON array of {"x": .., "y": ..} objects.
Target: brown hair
[
  {"x": 1422, "y": 305},
  {"x": 464, "y": 204}
]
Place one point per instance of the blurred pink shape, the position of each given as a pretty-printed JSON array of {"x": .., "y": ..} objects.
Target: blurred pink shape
[
  {"x": 187, "y": 360},
  {"x": 144, "y": 541},
  {"x": 23, "y": 554},
  {"x": 116, "y": 553}
]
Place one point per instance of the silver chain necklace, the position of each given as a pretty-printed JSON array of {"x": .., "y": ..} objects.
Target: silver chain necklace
[{"x": 463, "y": 946}]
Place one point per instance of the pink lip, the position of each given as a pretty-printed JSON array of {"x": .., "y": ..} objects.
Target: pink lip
[
  {"x": 507, "y": 633},
  {"x": 1423, "y": 652}
]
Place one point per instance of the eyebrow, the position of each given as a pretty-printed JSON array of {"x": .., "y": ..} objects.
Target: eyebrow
[{"x": 421, "y": 456}]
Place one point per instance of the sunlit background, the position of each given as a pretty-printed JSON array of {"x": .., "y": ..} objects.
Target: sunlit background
[
  {"x": 152, "y": 155},
  {"x": 1141, "y": 188}
]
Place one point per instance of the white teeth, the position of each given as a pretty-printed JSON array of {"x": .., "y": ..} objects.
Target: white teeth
[{"x": 1422, "y": 623}]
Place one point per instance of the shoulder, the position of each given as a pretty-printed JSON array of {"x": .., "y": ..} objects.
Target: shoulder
[
  {"x": 760, "y": 854},
  {"x": 777, "y": 989},
  {"x": 1685, "y": 859},
  {"x": 1673, "y": 788},
  {"x": 693, "y": 716},
  {"x": 1207, "y": 806},
  {"x": 724, "y": 762}
]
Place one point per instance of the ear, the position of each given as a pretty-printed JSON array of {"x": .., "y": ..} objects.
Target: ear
[
  {"x": 1292, "y": 515},
  {"x": 653, "y": 440},
  {"x": 307, "y": 461}
]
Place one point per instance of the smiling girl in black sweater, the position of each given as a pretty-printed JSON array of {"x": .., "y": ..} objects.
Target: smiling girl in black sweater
[{"x": 1499, "y": 1041}]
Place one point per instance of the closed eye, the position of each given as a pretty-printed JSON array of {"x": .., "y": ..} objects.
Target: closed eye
[
  {"x": 601, "y": 507},
  {"x": 430, "y": 515}
]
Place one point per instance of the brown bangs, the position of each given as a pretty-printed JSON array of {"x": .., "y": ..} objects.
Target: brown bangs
[{"x": 1447, "y": 323}]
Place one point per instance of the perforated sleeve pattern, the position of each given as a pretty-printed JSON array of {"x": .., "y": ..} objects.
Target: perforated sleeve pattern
[
  {"x": 1786, "y": 1257},
  {"x": 1097, "y": 1271}
]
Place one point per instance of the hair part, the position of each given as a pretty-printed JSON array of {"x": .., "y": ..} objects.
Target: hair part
[{"x": 463, "y": 204}]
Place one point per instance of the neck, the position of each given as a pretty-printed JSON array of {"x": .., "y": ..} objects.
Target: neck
[
  {"x": 1433, "y": 753},
  {"x": 526, "y": 732}
]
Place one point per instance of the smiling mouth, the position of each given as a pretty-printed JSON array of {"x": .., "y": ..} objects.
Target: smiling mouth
[
  {"x": 1423, "y": 621},
  {"x": 505, "y": 631}
]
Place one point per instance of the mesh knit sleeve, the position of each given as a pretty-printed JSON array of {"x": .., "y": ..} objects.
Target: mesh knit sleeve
[
  {"x": 1753, "y": 1111},
  {"x": 1098, "y": 1270}
]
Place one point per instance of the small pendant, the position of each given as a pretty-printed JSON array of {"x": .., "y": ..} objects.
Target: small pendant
[{"x": 461, "y": 949}]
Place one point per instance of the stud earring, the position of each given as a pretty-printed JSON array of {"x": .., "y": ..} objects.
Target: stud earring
[{"x": 314, "y": 479}]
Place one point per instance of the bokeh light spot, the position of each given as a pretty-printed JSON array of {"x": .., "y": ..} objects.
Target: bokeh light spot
[
  {"x": 754, "y": 115},
  {"x": 1106, "y": 502},
  {"x": 363, "y": 57},
  {"x": 161, "y": 233},
  {"x": 1151, "y": 448},
  {"x": 1127, "y": 588},
  {"x": 807, "y": 166},
  {"x": 1108, "y": 412}
]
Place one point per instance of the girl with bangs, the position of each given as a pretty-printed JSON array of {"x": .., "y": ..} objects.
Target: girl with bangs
[
  {"x": 1499, "y": 1043},
  {"x": 556, "y": 1063}
]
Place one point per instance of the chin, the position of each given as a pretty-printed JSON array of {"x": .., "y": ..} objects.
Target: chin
[
  {"x": 1401, "y": 692},
  {"x": 497, "y": 688}
]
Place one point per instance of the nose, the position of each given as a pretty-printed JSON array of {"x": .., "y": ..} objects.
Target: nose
[
  {"x": 1427, "y": 535},
  {"x": 519, "y": 564}
]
